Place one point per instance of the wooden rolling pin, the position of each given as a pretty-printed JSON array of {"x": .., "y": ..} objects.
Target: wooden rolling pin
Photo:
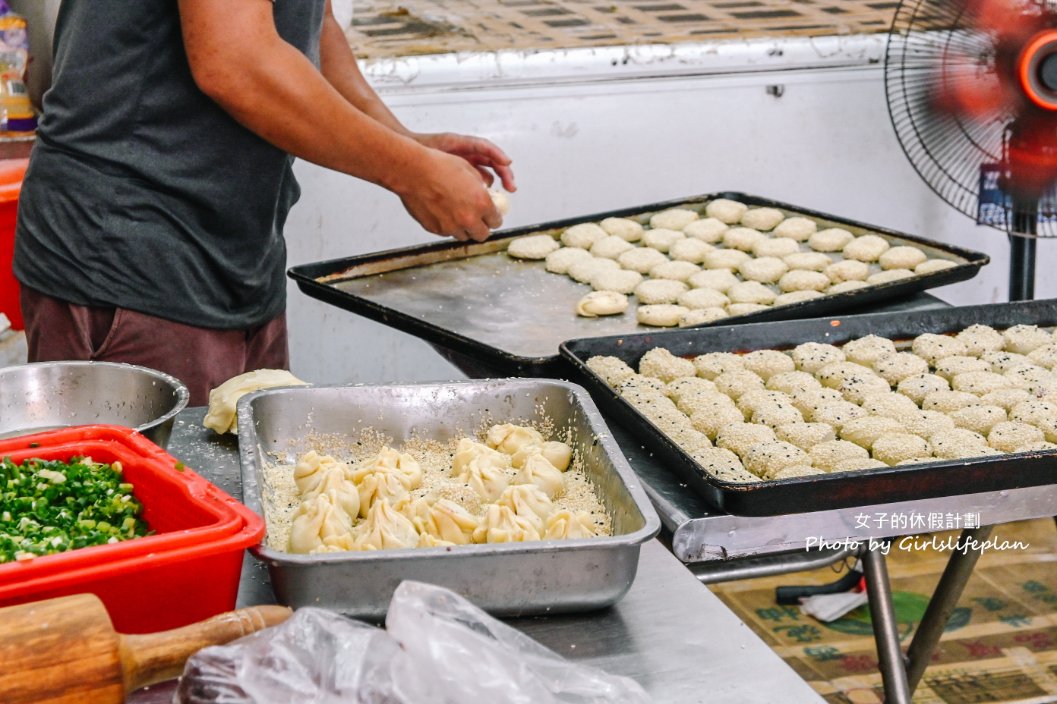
[{"x": 66, "y": 650}]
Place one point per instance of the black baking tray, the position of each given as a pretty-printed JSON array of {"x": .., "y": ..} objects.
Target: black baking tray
[
  {"x": 827, "y": 491},
  {"x": 510, "y": 317}
]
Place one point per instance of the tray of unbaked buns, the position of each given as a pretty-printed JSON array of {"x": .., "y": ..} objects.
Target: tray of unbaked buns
[
  {"x": 716, "y": 259},
  {"x": 510, "y": 492},
  {"x": 790, "y": 417}
]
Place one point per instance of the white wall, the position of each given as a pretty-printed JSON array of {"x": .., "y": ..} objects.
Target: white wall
[{"x": 584, "y": 145}]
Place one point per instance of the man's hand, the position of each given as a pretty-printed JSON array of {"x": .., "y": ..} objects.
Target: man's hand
[
  {"x": 482, "y": 155},
  {"x": 447, "y": 197}
]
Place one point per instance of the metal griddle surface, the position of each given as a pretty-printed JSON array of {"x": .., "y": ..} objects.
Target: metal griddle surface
[
  {"x": 477, "y": 301},
  {"x": 515, "y": 306}
]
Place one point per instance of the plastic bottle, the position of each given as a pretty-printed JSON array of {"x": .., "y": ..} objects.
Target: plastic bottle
[{"x": 16, "y": 111}]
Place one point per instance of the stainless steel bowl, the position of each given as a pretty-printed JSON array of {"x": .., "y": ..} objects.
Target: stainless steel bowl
[{"x": 48, "y": 395}]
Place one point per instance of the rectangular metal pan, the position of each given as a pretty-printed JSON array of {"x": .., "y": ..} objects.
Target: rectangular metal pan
[
  {"x": 828, "y": 491},
  {"x": 509, "y": 316},
  {"x": 510, "y": 579}
]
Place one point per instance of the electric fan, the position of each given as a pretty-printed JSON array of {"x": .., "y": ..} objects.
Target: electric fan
[{"x": 972, "y": 93}]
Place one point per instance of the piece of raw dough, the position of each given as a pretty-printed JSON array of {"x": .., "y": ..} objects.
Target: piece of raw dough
[
  {"x": 657, "y": 291},
  {"x": 884, "y": 277},
  {"x": 902, "y": 257},
  {"x": 832, "y": 239},
  {"x": 583, "y": 235},
  {"x": 764, "y": 269},
  {"x": 703, "y": 298},
  {"x": 726, "y": 210},
  {"x": 867, "y": 248},
  {"x": 700, "y": 316},
  {"x": 847, "y": 270},
  {"x": 661, "y": 315},
  {"x": 803, "y": 280},
  {"x": 729, "y": 259},
  {"x": 809, "y": 261},
  {"x": 673, "y": 219},
  {"x": 661, "y": 239},
  {"x": 641, "y": 259},
  {"x": 763, "y": 219},
  {"x": 746, "y": 308},
  {"x": 610, "y": 247},
  {"x": 797, "y": 228},
  {"x": 675, "y": 271},
  {"x": 751, "y": 292},
  {"x": 775, "y": 247},
  {"x": 559, "y": 261},
  {"x": 588, "y": 269},
  {"x": 624, "y": 228},
  {"x": 742, "y": 238},
  {"x": 718, "y": 279},
  {"x": 532, "y": 247},
  {"x": 221, "y": 417},
  {"x": 931, "y": 266},
  {"x": 620, "y": 280},
  {"x": 689, "y": 250},
  {"x": 599, "y": 303},
  {"x": 709, "y": 230}
]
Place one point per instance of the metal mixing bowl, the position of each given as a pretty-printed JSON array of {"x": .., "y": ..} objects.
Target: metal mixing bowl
[{"x": 47, "y": 395}]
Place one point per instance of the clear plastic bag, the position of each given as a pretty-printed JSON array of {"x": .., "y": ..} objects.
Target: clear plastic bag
[{"x": 439, "y": 649}]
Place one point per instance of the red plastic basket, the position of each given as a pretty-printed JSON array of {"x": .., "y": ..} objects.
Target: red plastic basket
[{"x": 187, "y": 571}]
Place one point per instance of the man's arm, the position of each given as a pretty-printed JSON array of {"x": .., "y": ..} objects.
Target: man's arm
[
  {"x": 239, "y": 60},
  {"x": 340, "y": 68}
]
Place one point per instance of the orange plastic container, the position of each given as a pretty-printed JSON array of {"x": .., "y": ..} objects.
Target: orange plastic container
[
  {"x": 189, "y": 570},
  {"x": 12, "y": 171}
]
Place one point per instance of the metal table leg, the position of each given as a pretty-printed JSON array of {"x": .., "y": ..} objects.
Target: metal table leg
[
  {"x": 941, "y": 605},
  {"x": 886, "y": 630}
]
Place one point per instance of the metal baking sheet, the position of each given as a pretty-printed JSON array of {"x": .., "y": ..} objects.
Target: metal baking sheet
[
  {"x": 827, "y": 491},
  {"x": 511, "y": 579},
  {"x": 512, "y": 315}
]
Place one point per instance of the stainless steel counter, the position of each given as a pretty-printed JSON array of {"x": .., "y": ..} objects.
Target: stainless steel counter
[{"x": 669, "y": 633}]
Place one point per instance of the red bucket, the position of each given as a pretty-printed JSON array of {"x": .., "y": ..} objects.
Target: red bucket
[{"x": 12, "y": 171}]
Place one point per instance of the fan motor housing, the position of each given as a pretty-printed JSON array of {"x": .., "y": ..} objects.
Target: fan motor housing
[{"x": 1038, "y": 69}]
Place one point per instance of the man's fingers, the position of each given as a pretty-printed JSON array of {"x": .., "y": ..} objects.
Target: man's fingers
[
  {"x": 486, "y": 175},
  {"x": 506, "y": 175}
]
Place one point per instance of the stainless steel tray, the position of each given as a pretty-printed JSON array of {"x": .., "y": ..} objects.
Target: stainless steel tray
[
  {"x": 828, "y": 491},
  {"x": 474, "y": 301},
  {"x": 507, "y": 580}
]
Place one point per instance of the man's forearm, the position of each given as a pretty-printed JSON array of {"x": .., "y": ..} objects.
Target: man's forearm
[{"x": 339, "y": 66}]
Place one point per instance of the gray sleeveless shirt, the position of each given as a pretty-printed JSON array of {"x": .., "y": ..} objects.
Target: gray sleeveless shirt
[{"x": 141, "y": 192}]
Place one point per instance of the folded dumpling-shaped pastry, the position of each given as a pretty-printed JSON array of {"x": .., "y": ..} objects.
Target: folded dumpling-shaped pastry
[
  {"x": 389, "y": 460},
  {"x": 378, "y": 486},
  {"x": 442, "y": 519},
  {"x": 565, "y": 524},
  {"x": 310, "y": 469},
  {"x": 501, "y": 525},
  {"x": 509, "y": 438},
  {"x": 557, "y": 453},
  {"x": 528, "y": 501},
  {"x": 484, "y": 469},
  {"x": 425, "y": 540},
  {"x": 340, "y": 488},
  {"x": 537, "y": 470},
  {"x": 320, "y": 523},
  {"x": 385, "y": 528}
]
